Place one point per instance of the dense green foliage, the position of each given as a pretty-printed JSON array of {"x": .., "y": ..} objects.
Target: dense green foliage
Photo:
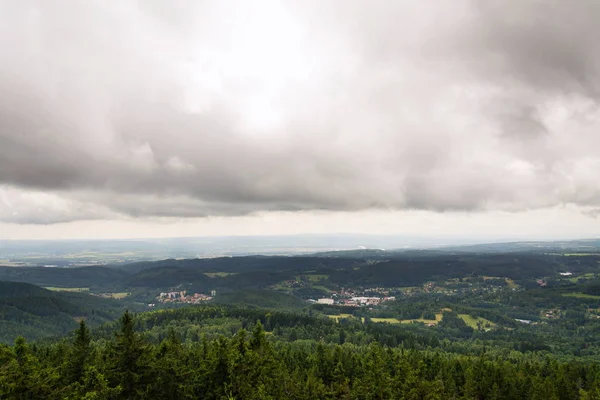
[
  {"x": 34, "y": 313},
  {"x": 260, "y": 298},
  {"x": 252, "y": 361}
]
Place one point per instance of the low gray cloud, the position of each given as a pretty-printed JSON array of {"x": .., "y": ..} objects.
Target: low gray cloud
[{"x": 200, "y": 108}]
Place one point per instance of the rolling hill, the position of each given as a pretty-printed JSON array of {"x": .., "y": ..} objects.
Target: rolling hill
[{"x": 34, "y": 313}]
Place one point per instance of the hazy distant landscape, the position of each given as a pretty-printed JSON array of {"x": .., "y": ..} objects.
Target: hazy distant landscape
[
  {"x": 95, "y": 252},
  {"x": 77, "y": 253}
]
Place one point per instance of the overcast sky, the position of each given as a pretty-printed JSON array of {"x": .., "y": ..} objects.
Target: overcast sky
[{"x": 155, "y": 118}]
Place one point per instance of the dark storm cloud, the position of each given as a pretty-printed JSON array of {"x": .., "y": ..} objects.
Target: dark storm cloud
[{"x": 153, "y": 109}]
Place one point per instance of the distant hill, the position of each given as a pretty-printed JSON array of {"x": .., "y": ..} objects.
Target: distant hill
[
  {"x": 166, "y": 276},
  {"x": 35, "y": 313},
  {"x": 240, "y": 264},
  {"x": 65, "y": 277},
  {"x": 561, "y": 246},
  {"x": 18, "y": 289},
  {"x": 363, "y": 267},
  {"x": 416, "y": 268},
  {"x": 357, "y": 253}
]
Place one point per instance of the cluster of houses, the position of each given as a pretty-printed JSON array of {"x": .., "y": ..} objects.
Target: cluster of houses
[
  {"x": 183, "y": 297},
  {"x": 357, "y": 301}
]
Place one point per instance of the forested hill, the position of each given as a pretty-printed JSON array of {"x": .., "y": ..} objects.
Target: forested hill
[
  {"x": 423, "y": 264},
  {"x": 244, "y": 263},
  {"x": 239, "y": 354},
  {"x": 34, "y": 313},
  {"x": 68, "y": 277},
  {"x": 364, "y": 268}
]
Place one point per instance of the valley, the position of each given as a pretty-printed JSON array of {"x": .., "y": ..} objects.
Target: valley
[
  {"x": 453, "y": 294},
  {"x": 514, "y": 311}
]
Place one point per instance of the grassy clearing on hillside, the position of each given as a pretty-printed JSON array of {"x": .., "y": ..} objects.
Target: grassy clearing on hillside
[
  {"x": 438, "y": 318},
  {"x": 419, "y": 320},
  {"x": 67, "y": 289},
  {"x": 509, "y": 282},
  {"x": 219, "y": 274},
  {"x": 340, "y": 316},
  {"x": 281, "y": 288},
  {"x": 379, "y": 320},
  {"x": 387, "y": 320},
  {"x": 581, "y": 296},
  {"x": 323, "y": 288},
  {"x": 469, "y": 320},
  {"x": 119, "y": 295},
  {"x": 473, "y": 321},
  {"x": 574, "y": 279},
  {"x": 316, "y": 277}
]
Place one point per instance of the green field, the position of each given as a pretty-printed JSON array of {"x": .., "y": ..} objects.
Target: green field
[
  {"x": 469, "y": 320},
  {"x": 438, "y": 318},
  {"x": 316, "y": 277},
  {"x": 387, "y": 320},
  {"x": 219, "y": 274},
  {"x": 581, "y": 296},
  {"x": 574, "y": 279},
  {"x": 509, "y": 282},
  {"x": 379, "y": 320},
  {"x": 472, "y": 321},
  {"x": 67, "y": 289},
  {"x": 340, "y": 316},
  {"x": 119, "y": 295}
]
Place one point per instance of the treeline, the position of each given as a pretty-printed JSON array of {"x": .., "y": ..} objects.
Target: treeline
[
  {"x": 451, "y": 333},
  {"x": 190, "y": 324},
  {"x": 250, "y": 365}
]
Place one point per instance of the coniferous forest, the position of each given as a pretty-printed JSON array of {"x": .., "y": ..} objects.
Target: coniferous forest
[{"x": 243, "y": 354}]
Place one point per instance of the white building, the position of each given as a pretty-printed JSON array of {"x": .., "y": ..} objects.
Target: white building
[
  {"x": 325, "y": 301},
  {"x": 367, "y": 300}
]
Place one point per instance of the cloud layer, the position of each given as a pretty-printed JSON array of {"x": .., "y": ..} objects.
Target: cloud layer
[{"x": 217, "y": 108}]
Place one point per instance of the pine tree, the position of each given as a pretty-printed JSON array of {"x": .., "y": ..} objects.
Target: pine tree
[
  {"x": 80, "y": 353},
  {"x": 129, "y": 357}
]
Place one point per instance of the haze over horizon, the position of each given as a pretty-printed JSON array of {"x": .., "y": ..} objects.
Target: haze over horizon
[{"x": 212, "y": 118}]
